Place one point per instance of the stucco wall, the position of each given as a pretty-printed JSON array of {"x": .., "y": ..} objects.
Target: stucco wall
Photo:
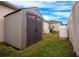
[
  {"x": 71, "y": 31},
  {"x": 74, "y": 28},
  {"x": 3, "y": 11}
]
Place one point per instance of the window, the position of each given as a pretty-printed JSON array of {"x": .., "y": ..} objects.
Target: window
[{"x": 31, "y": 16}]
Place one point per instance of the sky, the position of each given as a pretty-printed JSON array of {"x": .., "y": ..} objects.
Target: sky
[{"x": 50, "y": 10}]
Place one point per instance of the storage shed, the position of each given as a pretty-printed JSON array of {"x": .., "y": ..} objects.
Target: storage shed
[{"x": 23, "y": 27}]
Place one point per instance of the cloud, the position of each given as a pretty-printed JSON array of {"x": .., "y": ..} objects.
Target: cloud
[
  {"x": 51, "y": 10},
  {"x": 63, "y": 8},
  {"x": 40, "y": 4},
  {"x": 28, "y": 3},
  {"x": 50, "y": 17},
  {"x": 50, "y": 2},
  {"x": 64, "y": 3},
  {"x": 65, "y": 14},
  {"x": 62, "y": 19},
  {"x": 47, "y": 17}
]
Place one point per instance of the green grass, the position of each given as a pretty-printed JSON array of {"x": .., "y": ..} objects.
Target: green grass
[{"x": 51, "y": 45}]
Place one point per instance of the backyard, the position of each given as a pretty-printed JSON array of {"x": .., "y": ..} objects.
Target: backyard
[{"x": 50, "y": 46}]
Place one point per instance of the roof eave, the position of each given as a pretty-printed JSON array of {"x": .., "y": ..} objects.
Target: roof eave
[{"x": 9, "y": 5}]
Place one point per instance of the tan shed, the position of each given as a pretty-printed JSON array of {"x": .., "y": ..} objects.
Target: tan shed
[{"x": 23, "y": 27}]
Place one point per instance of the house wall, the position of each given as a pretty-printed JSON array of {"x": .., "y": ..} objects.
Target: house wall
[
  {"x": 3, "y": 11},
  {"x": 46, "y": 27},
  {"x": 71, "y": 30},
  {"x": 56, "y": 26},
  {"x": 74, "y": 28}
]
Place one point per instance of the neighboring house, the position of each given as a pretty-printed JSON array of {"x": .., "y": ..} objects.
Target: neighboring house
[
  {"x": 46, "y": 26},
  {"x": 5, "y": 8},
  {"x": 55, "y": 25},
  {"x": 73, "y": 25}
]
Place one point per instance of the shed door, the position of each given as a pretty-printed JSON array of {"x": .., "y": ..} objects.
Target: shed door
[
  {"x": 39, "y": 28},
  {"x": 31, "y": 29}
]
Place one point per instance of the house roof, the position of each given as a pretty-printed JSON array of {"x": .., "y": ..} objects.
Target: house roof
[
  {"x": 55, "y": 22},
  {"x": 74, "y": 4},
  {"x": 9, "y": 5},
  {"x": 46, "y": 21},
  {"x": 51, "y": 22}
]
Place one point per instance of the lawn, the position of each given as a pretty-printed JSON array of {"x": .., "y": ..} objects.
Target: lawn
[{"x": 51, "y": 45}]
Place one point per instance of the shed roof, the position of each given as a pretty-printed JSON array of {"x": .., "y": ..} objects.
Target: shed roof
[
  {"x": 51, "y": 22},
  {"x": 19, "y": 10}
]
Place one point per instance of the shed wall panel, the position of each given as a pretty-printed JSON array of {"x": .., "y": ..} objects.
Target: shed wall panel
[{"x": 13, "y": 29}]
